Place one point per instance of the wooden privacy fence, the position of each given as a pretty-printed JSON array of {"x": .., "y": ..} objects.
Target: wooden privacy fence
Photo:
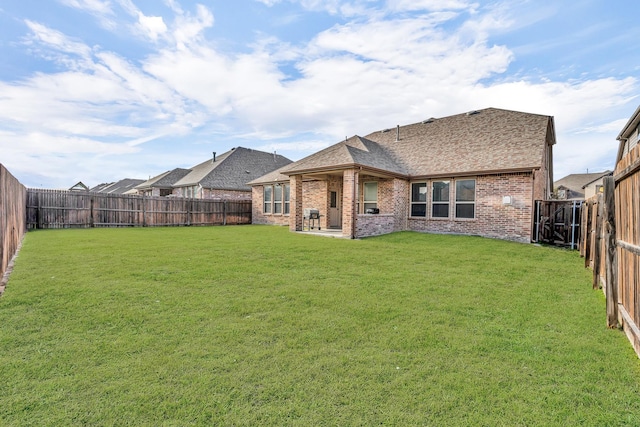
[
  {"x": 557, "y": 222},
  {"x": 71, "y": 209},
  {"x": 13, "y": 197},
  {"x": 612, "y": 245}
]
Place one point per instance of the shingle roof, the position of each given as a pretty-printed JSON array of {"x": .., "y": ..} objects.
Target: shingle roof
[
  {"x": 165, "y": 179},
  {"x": 119, "y": 187},
  {"x": 353, "y": 151},
  {"x": 576, "y": 182},
  {"x": 275, "y": 176},
  {"x": 233, "y": 170},
  {"x": 489, "y": 141}
]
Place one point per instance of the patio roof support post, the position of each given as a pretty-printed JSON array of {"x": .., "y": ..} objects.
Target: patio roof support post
[
  {"x": 349, "y": 202},
  {"x": 295, "y": 214}
]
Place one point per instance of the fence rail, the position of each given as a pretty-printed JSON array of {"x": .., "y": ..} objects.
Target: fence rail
[
  {"x": 48, "y": 209},
  {"x": 612, "y": 245},
  {"x": 12, "y": 220}
]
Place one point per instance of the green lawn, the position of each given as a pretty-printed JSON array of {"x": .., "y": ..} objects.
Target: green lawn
[{"x": 253, "y": 325}]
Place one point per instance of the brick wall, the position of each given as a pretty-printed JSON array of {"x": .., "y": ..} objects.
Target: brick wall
[
  {"x": 350, "y": 196},
  {"x": 492, "y": 218},
  {"x": 208, "y": 193},
  {"x": 315, "y": 196},
  {"x": 375, "y": 225},
  {"x": 257, "y": 214}
]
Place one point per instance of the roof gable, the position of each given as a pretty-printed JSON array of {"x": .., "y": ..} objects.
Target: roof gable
[
  {"x": 233, "y": 169},
  {"x": 485, "y": 141},
  {"x": 488, "y": 140},
  {"x": 355, "y": 151},
  {"x": 165, "y": 179},
  {"x": 578, "y": 181},
  {"x": 119, "y": 187}
]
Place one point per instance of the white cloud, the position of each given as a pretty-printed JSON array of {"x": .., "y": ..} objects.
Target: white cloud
[
  {"x": 98, "y": 8},
  {"x": 56, "y": 40},
  {"x": 152, "y": 26},
  {"x": 269, "y": 2},
  {"x": 430, "y": 5},
  {"x": 356, "y": 77}
]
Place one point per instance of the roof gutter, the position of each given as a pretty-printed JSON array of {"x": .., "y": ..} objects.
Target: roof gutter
[
  {"x": 343, "y": 167},
  {"x": 476, "y": 173}
]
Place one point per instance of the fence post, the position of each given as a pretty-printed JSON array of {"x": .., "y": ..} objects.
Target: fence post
[
  {"x": 597, "y": 250},
  {"x": 224, "y": 212},
  {"x": 38, "y": 212},
  {"x": 91, "y": 219},
  {"x": 611, "y": 261}
]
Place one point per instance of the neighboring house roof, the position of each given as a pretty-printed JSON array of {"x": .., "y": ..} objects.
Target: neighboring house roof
[
  {"x": 164, "y": 180},
  {"x": 98, "y": 188},
  {"x": 275, "y": 176},
  {"x": 627, "y": 131},
  {"x": 119, "y": 187},
  {"x": 233, "y": 170},
  {"x": 485, "y": 141},
  {"x": 79, "y": 186},
  {"x": 577, "y": 182}
]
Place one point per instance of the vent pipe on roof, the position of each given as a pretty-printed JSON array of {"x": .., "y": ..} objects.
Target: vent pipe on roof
[
  {"x": 397, "y": 133},
  {"x": 214, "y": 157}
]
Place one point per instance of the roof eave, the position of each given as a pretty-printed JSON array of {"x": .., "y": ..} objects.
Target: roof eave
[
  {"x": 343, "y": 167},
  {"x": 475, "y": 173},
  {"x": 631, "y": 124}
]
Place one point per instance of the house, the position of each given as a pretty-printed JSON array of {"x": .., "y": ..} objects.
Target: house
[
  {"x": 124, "y": 186},
  {"x": 580, "y": 186},
  {"x": 162, "y": 185},
  {"x": 226, "y": 176},
  {"x": 475, "y": 173}
]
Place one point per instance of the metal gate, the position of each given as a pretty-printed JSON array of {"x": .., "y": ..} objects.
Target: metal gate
[{"x": 558, "y": 222}]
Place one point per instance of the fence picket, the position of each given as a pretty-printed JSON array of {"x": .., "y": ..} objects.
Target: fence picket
[{"x": 71, "y": 209}]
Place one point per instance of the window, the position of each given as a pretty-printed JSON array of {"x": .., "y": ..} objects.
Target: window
[
  {"x": 465, "y": 198},
  {"x": 419, "y": 199},
  {"x": 268, "y": 192},
  {"x": 333, "y": 199},
  {"x": 440, "y": 199},
  {"x": 370, "y": 199},
  {"x": 287, "y": 192},
  {"x": 277, "y": 199}
]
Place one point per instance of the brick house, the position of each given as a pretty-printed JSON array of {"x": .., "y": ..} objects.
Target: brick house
[
  {"x": 162, "y": 185},
  {"x": 475, "y": 173},
  {"x": 225, "y": 176}
]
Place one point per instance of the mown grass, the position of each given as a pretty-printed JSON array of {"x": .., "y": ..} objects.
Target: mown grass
[{"x": 254, "y": 325}]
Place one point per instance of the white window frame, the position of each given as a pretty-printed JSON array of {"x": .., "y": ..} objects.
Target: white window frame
[
  {"x": 267, "y": 205},
  {"x": 364, "y": 195},
  {"x": 287, "y": 199},
  {"x": 277, "y": 204}
]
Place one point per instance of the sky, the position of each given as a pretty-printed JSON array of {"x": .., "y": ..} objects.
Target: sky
[{"x": 101, "y": 90}]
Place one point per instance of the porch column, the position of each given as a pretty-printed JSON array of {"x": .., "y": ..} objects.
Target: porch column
[
  {"x": 349, "y": 202},
  {"x": 295, "y": 203}
]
